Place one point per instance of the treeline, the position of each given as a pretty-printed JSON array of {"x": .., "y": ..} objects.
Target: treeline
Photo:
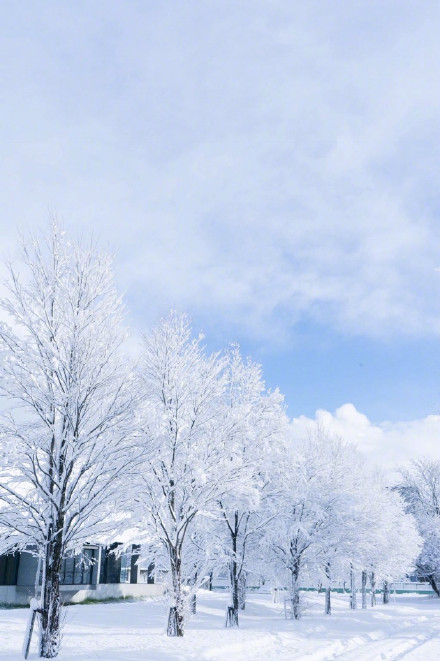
[{"x": 184, "y": 451}]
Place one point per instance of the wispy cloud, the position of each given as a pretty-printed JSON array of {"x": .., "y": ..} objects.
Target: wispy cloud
[{"x": 255, "y": 163}]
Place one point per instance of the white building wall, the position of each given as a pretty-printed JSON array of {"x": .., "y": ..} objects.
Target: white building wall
[{"x": 21, "y": 595}]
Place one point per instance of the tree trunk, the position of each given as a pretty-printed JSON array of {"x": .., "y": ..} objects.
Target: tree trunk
[
  {"x": 364, "y": 588},
  {"x": 50, "y": 602},
  {"x": 242, "y": 591},
  {"x": 373, "y": 588},
  {"x": 432, "y": 582},
  {"x": 386, "y": 592},
  {"x": 353, "y": 599},
  {"x": 172, "y": 622},
  {"x": 232, "y": 611},
  {"x": 193, "y": 604},
  {"x": 296, "y": 609},
  {"x": 231, "y": 617},
  {"x": 176, "y": 614},
  {"x": 328, "y": 605}
]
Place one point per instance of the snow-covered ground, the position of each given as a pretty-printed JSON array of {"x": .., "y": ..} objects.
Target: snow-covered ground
[{"x": 408, "y": 628}]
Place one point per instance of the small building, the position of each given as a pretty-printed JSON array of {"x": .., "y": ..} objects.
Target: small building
[{"x": 99, "y": 572}]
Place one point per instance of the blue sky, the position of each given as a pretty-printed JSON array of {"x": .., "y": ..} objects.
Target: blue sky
[{"x": 270, "y": 167}]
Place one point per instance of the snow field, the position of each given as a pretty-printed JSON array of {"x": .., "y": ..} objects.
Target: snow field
[{"x": 408, "y": 628}]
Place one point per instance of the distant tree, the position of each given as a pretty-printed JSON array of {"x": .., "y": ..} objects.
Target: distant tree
[
  {"x": 420, "y": 488},
  {"x": 344, "y": 539},
  {"x": 312, "y": 496},
  {"x": 66, "y": 441},
  {"x": 396, "y": 543},
  {"x": 335, "y": 519},
  {"x": 371, "y": 533}
]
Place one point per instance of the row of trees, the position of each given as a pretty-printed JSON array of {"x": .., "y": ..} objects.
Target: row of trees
[
  {"x": 335, "y": 519},
  {"x": 420, "y": 488},
  {"x": 185, "y": 449}
]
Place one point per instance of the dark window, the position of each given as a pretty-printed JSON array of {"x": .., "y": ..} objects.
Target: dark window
[
  {"x": 67, "y": 570},
  {"x": 120, "y": 567},
  {"x": 9, "y": 569},
  {"x": 125, "y": 568},
  {"x": 110, "y": 565},
  {"x": 78, "y": 569}
]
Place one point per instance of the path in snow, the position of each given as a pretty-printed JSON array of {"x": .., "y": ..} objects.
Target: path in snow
[{"x": 407, "y": 629}]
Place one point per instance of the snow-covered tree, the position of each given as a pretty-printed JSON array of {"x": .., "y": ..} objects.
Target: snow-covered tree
[
  {"x": 392, "y": 543},
  {"x": 254, "y": 420},
  {"x": 420, "y": 489},
  {"x": 334, "y": 520},
  {"x": 310, "y": 505},
  {"x": 184, "y": 472},
  {"x": 371, "y": 533},
  {"x": 343, "y": 540},
  {"x": 66, "y": 436}
]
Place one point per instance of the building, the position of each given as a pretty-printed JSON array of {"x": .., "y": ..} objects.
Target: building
[{"x": 99, "y": 572}]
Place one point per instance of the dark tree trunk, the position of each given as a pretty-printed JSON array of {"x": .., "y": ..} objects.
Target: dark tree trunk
[
  {"x": 231, "y": 617},
  {"x": 364, "y": 589},
  {"x": 176, "y": 614},
  {"x": 172, "y": 622},
  {"x": 175, "y": 623},
  {"x": 328, "y": 605},
  {"x": 193, "y": 604},
  {"x": 50, "y": 634},
  {"x": 353, "y": 599},
  {"x": 50, "y": 601},
  {"x": 232, "y": 611},
  {"x": 296, "y": 609},
  {"x": 234, "y": 595},
  {"x": 242, "y": 584},
  {"x": 386, "y": 592},
  {"x": 373, "y": 588},
  {"x": 432, "y": 582}
]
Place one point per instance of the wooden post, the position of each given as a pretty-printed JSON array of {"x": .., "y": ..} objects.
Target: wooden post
[{"x": 35, "y": 608}]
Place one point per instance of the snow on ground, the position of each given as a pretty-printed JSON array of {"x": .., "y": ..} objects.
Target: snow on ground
[{"x": 408, "y": 628}]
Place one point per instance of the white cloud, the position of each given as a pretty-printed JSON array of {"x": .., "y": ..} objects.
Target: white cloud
[
  {"x": 387, "y": 444},
  {"x": 257, "y": 163}
]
